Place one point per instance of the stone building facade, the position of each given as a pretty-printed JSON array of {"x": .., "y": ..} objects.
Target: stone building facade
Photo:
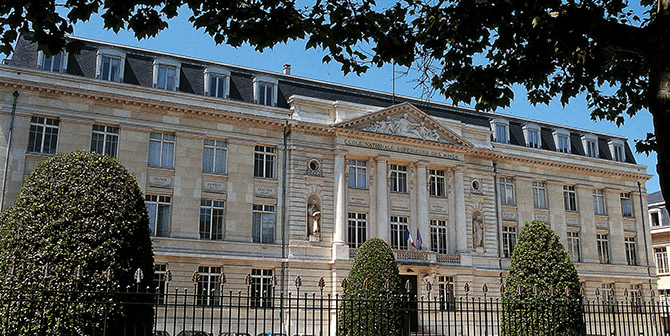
[
  {"x": 275, "y": 176},
  {"x": 659, "y": 221}
]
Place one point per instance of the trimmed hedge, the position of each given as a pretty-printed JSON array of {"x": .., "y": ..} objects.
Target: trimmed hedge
[
  {"x": 377, "y": 310},
  {"x": 540, "y": 262},
  {"x": 78, "y": 215}
]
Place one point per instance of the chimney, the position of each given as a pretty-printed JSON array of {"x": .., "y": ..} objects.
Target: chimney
[{"x": 287, "y": 69}]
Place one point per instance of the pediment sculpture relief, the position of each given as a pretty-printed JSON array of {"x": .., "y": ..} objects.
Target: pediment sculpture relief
[{"x": 404, "y": 127}]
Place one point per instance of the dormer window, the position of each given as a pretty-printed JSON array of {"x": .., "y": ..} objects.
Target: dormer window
[
  {"x": 618, "y": 151},
  {"x": 532, "y": 133},
  {"x": 217, "y": 83},
  {"x": 590, "y": 142},
  {"x": 111, "y": 64},
  {"x": 562, "y": 139},
  {"x": 500, "y": 130},
  {"x": 166, "y": 74},
  {"x": 55, "y": 63},
  {"x": 265, "y": 90}
]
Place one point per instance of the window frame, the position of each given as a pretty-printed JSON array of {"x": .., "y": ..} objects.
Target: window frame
[
  {"x": 399, "y": 224},
  {"x": 160, "y": 201},
  {"x": 570, "y": 202},
  {"x": 590, "y": 143},
  {"x": 217, "y": 73},
  {"x": 263, "y": 212},
  {"x": 498, "y": 126},
  {"x": 446, "y": 292},
  {"x": 509, "y": 237},
  {"x": 533, "y": 134},
  {"x": 218, "y": 148},
  {"x": 653, "y": 213},
  {"x": 261, "y": 155},
  {"x": 506, "y": 188},
  {"x": 398, "y": 179},
  {"x": 662, "y": 264},
  {"x": 163, "y": 139},
  {"x": 562, "y": 146},
  {"x": 45, "y": 128},
  {"x": 599, "y": 202},
  {"x": 209, "y": 279},
  {"x": 437, "y": 182},
  {"x": 630, "y": 244},
  {"x": 269, "y": 83},
  {"x": 211, "y": 210},
  {"x": 439, "y": 240},
  {"x": 110, "y": 137},
  {"x": 357, "y": 223},
  {"x": 626, "y": 197},
  {"x": 164, "y": 63},
  {"x": 602, "y": 245},
  {"x": 160, "y": 282},
  {"x": 103, "y": 54},
  {"x": 618, "y": 150},
  {"x": 540, "y": 189},
  {"x": 573, "y": 245},
  {"x": 261, "y": 278},
  {"x": 354, "y": 168},
  {"x": 42, "y": 57}
]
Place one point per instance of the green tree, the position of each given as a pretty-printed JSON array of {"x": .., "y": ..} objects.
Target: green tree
[
  {"x": 616, "y": 52},
  {"x": 535, "y": 298},
  {"x": 79, "y": 223},
  {"x": 372, "y": 303}
]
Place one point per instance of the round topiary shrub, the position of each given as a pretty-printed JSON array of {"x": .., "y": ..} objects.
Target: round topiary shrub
[
  {"x": 535, "y": 298},
  {"x": 372, "y": 303},
  {"x": 79, "y": 226}
]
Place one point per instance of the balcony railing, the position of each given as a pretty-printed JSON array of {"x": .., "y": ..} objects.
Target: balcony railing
[{"x": 419, "y": 257}]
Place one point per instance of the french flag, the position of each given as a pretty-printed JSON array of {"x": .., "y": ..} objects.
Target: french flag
[{"x": 408, "y": 237}]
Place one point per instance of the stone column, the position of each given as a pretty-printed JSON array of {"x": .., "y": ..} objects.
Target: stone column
[
  {"x": 587, "y": 222},
  {"x": 616, "y": 226},
  {"x": 461, "y": 225},
  {"x": 423, "y": 204},
  {"x": 340, "y": 250},
  {"x": 382, "y": 200}
]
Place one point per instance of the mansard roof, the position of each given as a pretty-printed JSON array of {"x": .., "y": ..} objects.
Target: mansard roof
[{"x": 139, "y": 65}]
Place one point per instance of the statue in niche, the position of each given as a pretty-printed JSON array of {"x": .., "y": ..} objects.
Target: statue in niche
[
  {"x": 477, "y": 230},
  {"x": 313, "y": 218}
]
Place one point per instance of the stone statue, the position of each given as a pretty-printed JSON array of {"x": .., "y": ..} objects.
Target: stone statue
[
  {"x": 314, "y": 219},
  {"x": 477, "y": 230}
]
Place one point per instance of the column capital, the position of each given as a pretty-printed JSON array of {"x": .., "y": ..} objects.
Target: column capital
[
  {"x": 458, "y": 169},
  {"x": 382, "y": 157},
  {"x": 422, "y": 163},
  {"x": 339, "y": 151}
]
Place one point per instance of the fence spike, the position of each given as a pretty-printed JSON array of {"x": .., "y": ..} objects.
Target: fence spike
[
  {"x": 298, "y": 282},
  {"x": 344, "y": 283},
  {"x": 485, "y": 288},
  {"x": 195, "y": 278},
  {"x": 139, "y": 275},
  {"x": 322, "y": 283},
  {"x": 366, "y": 284},
  {"x": 247, "y": 280}
]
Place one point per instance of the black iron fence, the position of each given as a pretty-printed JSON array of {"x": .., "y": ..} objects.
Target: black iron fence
[{"x": 187, "y": 312}]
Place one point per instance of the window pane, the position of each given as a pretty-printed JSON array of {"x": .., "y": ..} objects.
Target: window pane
[
  {"x": 154, "y": 153},
  {"x": 220, "y": 161},
  {"x": 168, "y": 152},
  {"x": 151, "y": 210}
]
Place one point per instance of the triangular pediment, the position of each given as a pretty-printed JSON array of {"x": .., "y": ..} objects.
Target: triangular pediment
[{"x": 405, "y": 120}]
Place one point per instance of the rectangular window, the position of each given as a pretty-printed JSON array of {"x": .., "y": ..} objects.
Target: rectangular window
[
  {"x": 599, "y": 207},
  {"x": 563, "y": 143},
  {"x": 569, "y": 198},
  {"x": 446, "y": 288},
  {"x": 54, "y": 63},
  {"x": 217, "y": 86},
  {"x": 626, "y": 205},
  {"x": 501, "y": 133},
  {"x": 264, "y": 162},
  {"x": 357, "y": 173},
  {"x": 438, "y": 236},
  {"x": 160, "y": 282},
  {"x": 105, "y": 140},
  {"x": 618, "y": 152},
  {"x": 607, "y": 292},
  {"x": 506, "y": 186},
  {"x": 603, "y": 248},
  {"x": 158, "y": 208},
  {"x": 509, "y": 240},
  {"x": 358, "y": 222},
  {"x": 266, "y": 93},
  {"x": 398, "y": 178},
  {"x": 166, "y": 77},
  {"x": 661, "y": 255},
  {"x": 209, "y": 286},
  {"x": 212, "y": 217},
  {"x": 574, "y": 248},
  {"x": 591, "y": 148},
  {"x": 636, "y": 297},
  {"x": 655, "y": 218},
  {"x": 631, "y": 251},
  {"x": 533, "y": 138},
  {"x": 161, "y": 150},
  {"x": 263, "y": 226},
  {"x": 111, "y": 67},
  {"x": 540, "y": 195},
  {"x": 437, "y": 183},
  {"x": 214, "y": 155},
  {"x": 398, "y": 228},
  {"x": 261, "y": 288},
  {"x": 43, "y": 136}
]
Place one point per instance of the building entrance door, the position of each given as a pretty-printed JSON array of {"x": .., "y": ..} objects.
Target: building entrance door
[{"x": 411, "y": 311}]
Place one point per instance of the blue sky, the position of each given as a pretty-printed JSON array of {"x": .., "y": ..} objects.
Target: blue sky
[{"x": 182, "y": 39}]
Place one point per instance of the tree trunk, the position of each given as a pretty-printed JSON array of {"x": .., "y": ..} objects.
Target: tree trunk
[{"x": 659, "y": 92}]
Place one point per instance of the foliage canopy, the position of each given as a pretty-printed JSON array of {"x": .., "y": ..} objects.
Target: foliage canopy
[
  {"x": 79, "y": 223},
  {"x": 540, "y": 263}
]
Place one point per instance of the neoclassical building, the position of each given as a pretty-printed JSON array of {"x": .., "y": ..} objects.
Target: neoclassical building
[{"x": 269, "y": 174}]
